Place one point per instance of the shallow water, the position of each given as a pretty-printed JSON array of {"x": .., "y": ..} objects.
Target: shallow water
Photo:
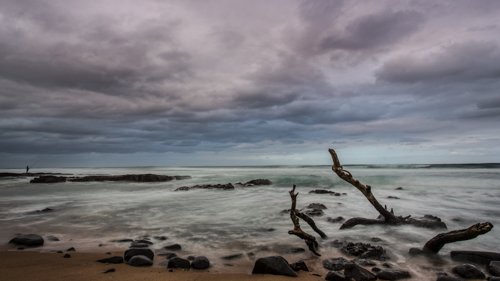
[{"x": 247, "y": 220}]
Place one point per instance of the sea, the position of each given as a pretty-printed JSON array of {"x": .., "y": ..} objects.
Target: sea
[{"x": 248, "y": 221}]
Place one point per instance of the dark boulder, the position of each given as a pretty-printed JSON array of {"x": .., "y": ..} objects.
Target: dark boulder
[
  {"x": 336, "y": 264},
  {"x": 173, "y": 247},
  {"x": 376, "y": 269},
  {"x": 178, "y": 263},
  {"x": 52, "y": 238},
  {"x": 30, "y": 240},
  {"x": 314, "y": 212},
  {"x": 446, "y": 277},
  {"x": 276, "y": 265},
  {"x": 393, "y": 274},
  {"x": 300, "y": 265},
  {"x": 323, "y": 191},
  {"x": 363, "y": 250},
  {"x": 358, "y": 273},
  {"x": 427, "y": 221},
  {"x": 335, "y": 276},
  {"x": 399, "y": 188},
  {"x": 115, "y": 259},
  {"x": 468, "y": 271},
  {"x": 316, "y": 206},
  {"x": 190, "y": 258},
  {"x": 200, "y": 263},
  {"x": 70, "y": 249},
  {"x": 258, "y": 182},
  {"x": 161, "y": 238},
  {"x": 140, "y": 260},
  {"x": 48, "y": 179},
  {"x": 494, "y": 268},
  {"x": 67, "y": 256},
  {"x": 483, "y": 258},
  {"x": 335, "y": 220},
  {"x": 138, "y": 252}
]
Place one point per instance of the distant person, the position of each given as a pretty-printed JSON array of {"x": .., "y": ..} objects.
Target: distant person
[{"x": 27, "y": 169}]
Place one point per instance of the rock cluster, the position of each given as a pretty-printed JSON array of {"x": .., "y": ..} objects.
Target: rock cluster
[
  {"x": 363, "y": 250},
  {"x": 227, "y": 186},
  {"x": 134, "y": 178},
  {"x": 324, "y": 191},
  {"x": 48, "y": 179}
]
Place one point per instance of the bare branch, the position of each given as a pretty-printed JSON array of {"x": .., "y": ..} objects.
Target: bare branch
[{"x": 435, "y": 244}]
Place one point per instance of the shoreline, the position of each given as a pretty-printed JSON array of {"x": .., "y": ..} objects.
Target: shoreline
[{"x": 34, "y": 265}]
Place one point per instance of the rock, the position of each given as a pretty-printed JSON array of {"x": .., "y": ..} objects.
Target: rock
[
  {"x": 297, "y": 250},
  {"x": 363, "y": 250},
  {"x": 335, "y": 276},
  {"x": 143, "y": 241},
  {"x": 468, "y": 271},
  {"x": 161, "y": 238},
  {"x": 483, "y": 258},
  {"x": 115, "y": 259},
  {"x": 122, "y": 240},
  {"x": 168, "y": 255},
  {"x": 200, "y": 263},
  {"x": 133, "y": 178},
  {"x": 70, "y": 249},
  {"x": 140, "y": 260},
  {"x": 276, "y": 265},
  {"x": 399, "y": 188},
  {"x": 314, "y": 212},
  {"x": 163, "y": 263},
  {"x": 386, "y": 265},
  {"x": 338, "y": 244},
  {"x": 324, "y": 191},
  {"x": 228, "y": 186},
  {"x": 48, "y": 179},
  {"x": 138, "y": 245},
  {"x": 232, "y": 257},
  {"x": 30, "y": 240},
  {"x": 415, "y": 252},
  {"x": 178, "y": 263},
  {"x": 393, "y": 274},
  {"x": 173, "y": 247},
  {"x": 376, "y": 269},
  {"x": 493, "y": 278},
  {"x": 446, "y": 277},
  {"x": 375, "y": 239},
  {"x": 427, "y": 221},
  {"x": 259, "y": 182},
  {"x": 358, "y": 273},
  {"x": 52, "y": 238},
  {"x": 182, "y": 177},
  {"x": 20, "y": 248},
  {"x": 138, "y": 252},
  {"x": 44, "y": 210},
  {"x": 110, "y": 270},
  {"x": 494, "y": 268},
  {"x": 392, "y": 197},
  {"x": 67, "y": 256},
  {"x": 300, "y": 265},
  {"x": 108, "y": 253},
  {"x": 336, "y": 264},
  {"x": 316, "y": 206},
  {"x": 335, "y": 220}
]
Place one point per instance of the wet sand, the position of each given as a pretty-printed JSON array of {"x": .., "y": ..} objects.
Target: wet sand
[{"x": 31, "y": 265}]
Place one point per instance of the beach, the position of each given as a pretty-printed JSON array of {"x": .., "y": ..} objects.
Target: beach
[{"x": 245, "y": 223}]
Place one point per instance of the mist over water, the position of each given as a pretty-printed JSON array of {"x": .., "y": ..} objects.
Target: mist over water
[{"x": 217, "y": 223}]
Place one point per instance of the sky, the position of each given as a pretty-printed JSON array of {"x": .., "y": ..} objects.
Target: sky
[{"x": 249, "y": 82}]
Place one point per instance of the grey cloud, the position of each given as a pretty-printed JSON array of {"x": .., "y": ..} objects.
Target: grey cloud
[
  {"x": 467, "y": 61},
  {"x": 489, "y": 103},
  {"x": 373, "y": 31}
]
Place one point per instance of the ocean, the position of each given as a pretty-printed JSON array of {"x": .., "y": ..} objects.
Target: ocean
[{"x": 248, "y": 220}]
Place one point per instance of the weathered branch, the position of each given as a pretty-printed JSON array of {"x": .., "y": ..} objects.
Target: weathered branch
[
  {"x": 365, "y": 189},
  {"x": 310, "y": 240},
  {"x": 311, "y": 223},
  {"x": 363, "y": 221},
  {"x": 435, "y": 244}
]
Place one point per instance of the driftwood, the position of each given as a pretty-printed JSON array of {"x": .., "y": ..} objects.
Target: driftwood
[
  {"x": 437, "y": 242},
  {"x": 310, "y": 240}
]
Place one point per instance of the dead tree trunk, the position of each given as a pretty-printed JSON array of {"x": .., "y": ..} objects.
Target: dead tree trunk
[
  {"x": 310, "y": 240},
  {"x": 435, "y": 244},
  {"x": 388, "y": 217}
]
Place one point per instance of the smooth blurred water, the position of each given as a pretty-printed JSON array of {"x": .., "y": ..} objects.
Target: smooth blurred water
[{"x": 216, "y": 223}]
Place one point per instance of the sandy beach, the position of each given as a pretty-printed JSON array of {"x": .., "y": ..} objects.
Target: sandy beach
[{"x": 32, "y": 265}]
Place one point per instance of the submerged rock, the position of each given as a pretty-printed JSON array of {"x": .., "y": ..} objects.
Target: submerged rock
[
  {"x": 316, "y": 206},
  {"x": 228, "y": 186},
  {"x": 483, "y": 258},
  {"x": 276, "y": 265},
  {"x": 336, "y": 264},
  {"x": 363, "y": 250},
  {"x": 52, "y": 238},
  {"x": 173, "y": 247},
  {"x": 314, "y": 212},
  {"x": 48, "y": 179},
  {"x": 200, "y": 263},
  {"x": 324, "y": 191},
  {"x": 30, "y": 240},
  {"x": 258, "y": 182},
  {"x": 468, "y": 271},
  {"x": 393, "y": 274},
  {"x": 134, "y": 178},
  {"x": 335, "y": 220},
  {"x": 427, "y": 221}
]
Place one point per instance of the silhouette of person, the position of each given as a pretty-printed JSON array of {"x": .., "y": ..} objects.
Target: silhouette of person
[{"x": 27, "y": 169}]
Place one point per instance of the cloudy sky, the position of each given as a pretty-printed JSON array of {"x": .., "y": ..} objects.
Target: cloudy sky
[{"x": 224, "y": 82}]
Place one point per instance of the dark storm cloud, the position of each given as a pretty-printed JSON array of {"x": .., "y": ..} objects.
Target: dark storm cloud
[{"x": 130, "y": 77}]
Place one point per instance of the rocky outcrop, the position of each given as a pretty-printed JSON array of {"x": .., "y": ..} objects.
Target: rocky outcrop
[
  {"x": 30, "y": 240},
  {"x": 228, "y": 186},
  {"x": 363, "y": 250},
  {"x": 335, "y": 264},
  {"x": 427, "y": 221},
  {"x": 257, "y": 182},
  {"x": 48, "y": 179},
  {"x": 324, "y": 191},
  {"x": 133, "y": 178},
  {"x": 276, "y": 265},
  {"x": 483, "y": 258}
]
